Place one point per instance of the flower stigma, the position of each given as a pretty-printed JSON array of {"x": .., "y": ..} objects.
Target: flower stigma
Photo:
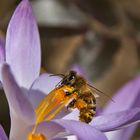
[{"x": 49, "y": 107}]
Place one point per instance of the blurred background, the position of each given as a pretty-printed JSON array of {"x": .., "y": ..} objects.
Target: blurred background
[{"x": 99, "y": 37}]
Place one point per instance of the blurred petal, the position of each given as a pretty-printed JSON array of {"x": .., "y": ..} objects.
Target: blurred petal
[
  {"x": 127, "y": 97},
  {"x": 121, "y": 135},
  {"x": 23, "y": 45},
  {"x": 82, "y": 130},
  {"x": 18, "y": 102},
  {"x": 2, "y": 56},
  {"x": 117, "y": 120},
  {"x": 2, "y": 50},
  {"x": 80, "y": 70},
  {"x": 2, "y": 134}
]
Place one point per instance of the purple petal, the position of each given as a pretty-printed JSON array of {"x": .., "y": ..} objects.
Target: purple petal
[
  {"x": 2, "y": 134},
  {"x": 117, "y": 120},
  {"x": 121, "y": 135},
  {"x": 74, "y": 115},
  {"x": 41, "y": 87},
  {"x": 49, "y": 129},
  {"x": 127, "y": 97},
  {"x": 60, "y": 139},
  {"x": 23, "y": 45},
  {"x": 79, "y": 69},
  {"x": 131, "y": 93},
  {"x": 82, "y": 130},
  {"x": 17, "y": 100},
  {"x": 46, "y": 83}
]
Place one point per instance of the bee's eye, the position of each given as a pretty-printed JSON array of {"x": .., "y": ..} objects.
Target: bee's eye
[{"x": 71, "y": 78}]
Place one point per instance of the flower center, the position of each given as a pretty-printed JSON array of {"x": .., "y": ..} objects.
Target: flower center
[
  {"x": 38, "y": 136},
  {"x": 49, "y": 107}
]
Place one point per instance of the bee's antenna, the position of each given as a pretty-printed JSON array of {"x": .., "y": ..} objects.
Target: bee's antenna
[
  {"x": 58, "y": 83},
  {"x": 100, "y": 92},
  {"x": 61, "y": 75}
]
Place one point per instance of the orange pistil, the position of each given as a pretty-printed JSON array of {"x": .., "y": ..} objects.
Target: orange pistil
[
  {"x": 49, "y": 107},
  {"x": 36, "y": 137}
]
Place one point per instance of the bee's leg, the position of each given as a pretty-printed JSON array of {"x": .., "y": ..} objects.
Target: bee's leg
[
  {"x": 70, "y": 93},
  {"x": 71, "y": 104}
]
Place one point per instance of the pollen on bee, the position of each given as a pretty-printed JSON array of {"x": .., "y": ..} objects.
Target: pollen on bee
[
  {"x": 80, "y": 104},
  {"x": 38, "y": 136}
]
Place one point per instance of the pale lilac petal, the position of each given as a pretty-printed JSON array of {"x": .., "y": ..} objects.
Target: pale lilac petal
[
  {"x": 46, "y": 83},
  {"x": 23, "y": 45},
  {"x": 82, "y": 130},
  {"x": 128, "y": 132},
  {"x": 35, "y": 97},
  {"x": 2, "y": 134},
  {"x": 127, "y": 97},
  {"x": 49, "y": 129},
  {"x": 74, "y": 115},
  {"x": 121, "y": 135},
  {"x": 18, "y": 127},
  {"x": 41, "y": 87},
  {"x": 60, "y": 139},
  {"x": 18, "y": 102},
  {"x": 117, "y": 120}
]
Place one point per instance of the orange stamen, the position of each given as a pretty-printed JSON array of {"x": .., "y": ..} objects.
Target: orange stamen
[
  {"x": 50, "y": 106},
  {"x": 38, "y": 136},
  {"x": 51, "y": 116}
]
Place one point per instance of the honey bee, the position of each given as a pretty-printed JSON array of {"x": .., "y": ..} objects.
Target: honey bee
[{"x": 84, "y": 100}]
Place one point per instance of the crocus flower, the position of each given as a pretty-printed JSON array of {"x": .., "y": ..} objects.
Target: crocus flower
[
  {"x": 23, "y": 86},
  {"x": 25, "y": 89}
]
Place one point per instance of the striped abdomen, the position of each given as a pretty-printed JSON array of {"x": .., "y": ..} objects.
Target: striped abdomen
[{"x": 87, "y": 113}]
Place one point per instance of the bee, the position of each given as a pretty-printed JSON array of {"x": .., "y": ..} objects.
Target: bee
[{"x": 84, "y": 100}]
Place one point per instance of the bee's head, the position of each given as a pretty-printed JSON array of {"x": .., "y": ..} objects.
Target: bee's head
[{"x": 70, "y": 78}]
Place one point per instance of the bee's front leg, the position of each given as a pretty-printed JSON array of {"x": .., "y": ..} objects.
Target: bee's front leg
[
  {"x": 71, "y": 104},
  {"x": 75, "y": 91}
]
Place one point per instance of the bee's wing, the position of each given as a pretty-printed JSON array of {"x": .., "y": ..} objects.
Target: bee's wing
[
  {"x": 96, "y": 92},
  {"x": 96, "y": 95}
]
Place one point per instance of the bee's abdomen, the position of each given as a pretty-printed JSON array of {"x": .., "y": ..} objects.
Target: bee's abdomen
[{"x": 87, "y": 113}]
